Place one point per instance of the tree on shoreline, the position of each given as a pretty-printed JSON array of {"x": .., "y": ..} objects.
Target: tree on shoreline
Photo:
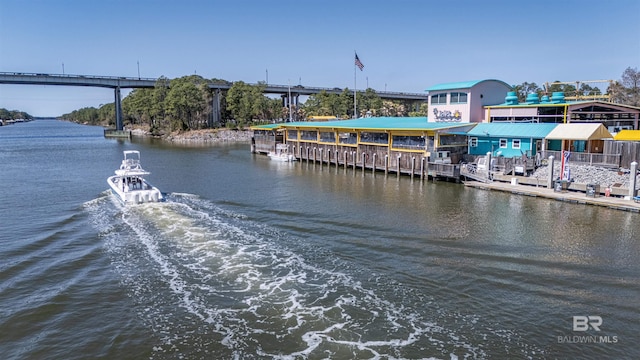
[
  {"x": 13, "y": 115},
  {"x": 630, "y": 83}
]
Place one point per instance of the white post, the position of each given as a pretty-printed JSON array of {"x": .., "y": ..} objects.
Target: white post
[
  {"x": 489, "y": 165},
  {"x": 550, "y": 174},
  {"x": 375, "y": 158},
  {"x": 632, "y": 180}
]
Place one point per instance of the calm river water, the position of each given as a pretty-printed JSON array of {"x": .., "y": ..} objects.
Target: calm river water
[{"x": 251, "y": 258}]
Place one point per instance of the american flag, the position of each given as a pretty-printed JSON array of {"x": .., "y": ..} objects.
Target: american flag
[{"x": 359, "y": 63}]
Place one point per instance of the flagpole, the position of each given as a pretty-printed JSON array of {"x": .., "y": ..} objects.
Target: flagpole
[
  {"x": 289, "y": 100},
  {"x": 355, "y": 89}
]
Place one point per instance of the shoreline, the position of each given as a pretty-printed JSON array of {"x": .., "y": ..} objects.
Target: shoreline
[{"x": 204, "y": 136}]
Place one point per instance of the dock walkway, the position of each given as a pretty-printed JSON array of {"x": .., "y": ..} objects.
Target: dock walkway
[{"x": 616, "y": 203}]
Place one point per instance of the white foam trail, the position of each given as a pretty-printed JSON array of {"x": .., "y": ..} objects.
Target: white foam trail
[{"x": 234, "y": 279}]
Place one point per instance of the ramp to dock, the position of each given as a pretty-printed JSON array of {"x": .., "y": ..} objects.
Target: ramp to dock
[{"x": 470, "y": 171}]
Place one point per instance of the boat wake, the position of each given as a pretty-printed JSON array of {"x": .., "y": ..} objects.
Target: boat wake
[{"x": 210, "y": 282}]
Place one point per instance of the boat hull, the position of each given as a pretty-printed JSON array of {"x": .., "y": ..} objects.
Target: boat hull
[
  {"x": 127, "y": 195},
  {"x": 281, "y": 157}
]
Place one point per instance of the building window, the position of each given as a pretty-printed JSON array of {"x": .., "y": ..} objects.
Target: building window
[
  {"x": 438, "y": 99},
  {"x": 292, "y": 135},
  {"x": 374, "y": 137},
  {"x": 408, "y": 142},
  {"x": 503, "y": 143},
  {"x": 327, "y": 137},
  {"x": 458, "y": 98},
  {"x": 515, "y": 144},
  {"x": 348, "y": 138},
  {"x": 473, "y": 142},
  {"x": 309, "y": 135}
]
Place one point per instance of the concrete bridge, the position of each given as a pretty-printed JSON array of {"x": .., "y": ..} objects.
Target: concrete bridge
[{"x": 290, "y": 94}]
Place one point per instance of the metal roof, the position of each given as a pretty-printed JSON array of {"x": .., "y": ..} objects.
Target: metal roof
[
  {"x": 266, "y": 127},
  {"x": 461, "y": 85},
  {"x": 522, "y": 130},
  {"x": 376, "y": 123},
  {"x": 538, "y": 104},
  {"x": 579, "y": 131},
  {"x": 627, "y": 135}
]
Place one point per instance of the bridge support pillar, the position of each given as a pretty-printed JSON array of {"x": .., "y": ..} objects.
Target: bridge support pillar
[
  {"x": 215, "y": 109},
  {"x": 291, "y": 101},
  {"x": 118, "y": 103}
]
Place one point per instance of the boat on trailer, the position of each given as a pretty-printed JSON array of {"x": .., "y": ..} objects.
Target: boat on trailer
[{"x": 129, "y": 184}]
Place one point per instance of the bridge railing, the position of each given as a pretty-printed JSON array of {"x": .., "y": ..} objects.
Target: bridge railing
[{"x": 73, "y": 76}]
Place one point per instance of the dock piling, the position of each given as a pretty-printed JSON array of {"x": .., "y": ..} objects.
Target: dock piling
[
  {"x": 386, "y": 164},
  {"x": 632, "y": 180},
  {"x": 354, "y": 157},
  {"x": 413, "y": 166},
  {"x": 375, "y": 157},
  {"x": 346, "y": 163},
  {"x": 550, "y": 174}
]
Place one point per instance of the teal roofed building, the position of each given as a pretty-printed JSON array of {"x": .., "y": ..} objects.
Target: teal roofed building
[
  {"x": 401, "y": 140},
  {"x": 508, "y": 139},
  {"x": 463, "y": 102}
]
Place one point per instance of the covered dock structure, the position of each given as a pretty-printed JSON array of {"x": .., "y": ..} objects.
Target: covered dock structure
[{"x": 404, "y": 145}]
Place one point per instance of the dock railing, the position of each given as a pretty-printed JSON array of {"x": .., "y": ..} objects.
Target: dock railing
[
  {"x": 596, "y": 159},
  {"x": 443, "y": 170}
]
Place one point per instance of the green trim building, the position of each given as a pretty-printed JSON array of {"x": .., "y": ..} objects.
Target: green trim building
[{"x": 402, "y": 144}]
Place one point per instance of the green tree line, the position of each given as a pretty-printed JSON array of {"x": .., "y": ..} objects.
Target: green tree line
[
  {"x": 186, "y": 103},
  {"x": 13, "y": 115}
]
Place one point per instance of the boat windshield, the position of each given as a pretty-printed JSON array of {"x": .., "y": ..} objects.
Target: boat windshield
[{"x": 131, "y": 159}]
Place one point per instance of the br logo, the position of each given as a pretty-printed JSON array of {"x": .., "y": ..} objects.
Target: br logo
[{"x": 583, "y": 323}]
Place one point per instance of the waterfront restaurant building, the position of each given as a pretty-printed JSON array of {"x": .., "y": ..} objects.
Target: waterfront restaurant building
[{"x": 401, "y": 144}]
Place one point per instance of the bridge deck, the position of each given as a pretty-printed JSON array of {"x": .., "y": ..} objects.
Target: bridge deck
[{"x": 134, "y": 82}]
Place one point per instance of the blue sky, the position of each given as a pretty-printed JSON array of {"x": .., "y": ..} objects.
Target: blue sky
[{"x": 405, "y": 45}]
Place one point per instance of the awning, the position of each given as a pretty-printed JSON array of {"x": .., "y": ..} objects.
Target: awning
[
  {"x": 578, "y": 131},
  {"x": 628, "y": 135}
]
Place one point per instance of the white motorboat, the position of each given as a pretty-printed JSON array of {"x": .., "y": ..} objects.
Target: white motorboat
[
  {"x": 281, "y": 153},
  {"x": 129, "y": 185}
]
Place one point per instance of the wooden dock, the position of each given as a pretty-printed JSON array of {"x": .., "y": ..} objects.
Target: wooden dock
[
  {"x": 616, "y": 203},
  {"x": 112, "y": 133}
]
